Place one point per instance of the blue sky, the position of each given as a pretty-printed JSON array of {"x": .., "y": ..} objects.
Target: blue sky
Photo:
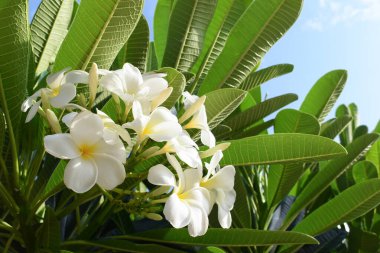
[{"x": 330, "y": 34}]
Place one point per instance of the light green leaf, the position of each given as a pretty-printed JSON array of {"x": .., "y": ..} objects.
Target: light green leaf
[
  {"x": 226, "y": 14},
  {"x": 161, "y": 26},
  {"x": 293, "y": 121},
  {"x": 100, "y": 29},
  {"x": 364, "y": 170},
  {"x": 136, "y": 49},
  {"x": 264, "y": 75},
  {"x": 221, "y": 103},
  {"x": 122, "y": 246},
  {"x": 281, "y": 148},
  {"x": 328, "y": 174},
  {"x": 350, "y": 204},
  {"x": 151, "y": 63},
  {"x": 259, "y": 111},
  {"x": 222, "y": 237},
  {"x": 260, "y": 26},
  {"x": 374, "y": 154},
  {"x": 187, "y": 27},
  {"x": 334, "y": 127},
  {"x": 177, "y": 81},
  {"x": 322, "y": 97},
  {"x": 211, "y": 250},
  {"x": 15, "y": 50},
  {"x": 48, "y": 29}
]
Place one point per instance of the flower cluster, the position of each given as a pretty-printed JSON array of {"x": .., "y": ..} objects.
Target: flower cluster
[{"x": 102, "y": 150}]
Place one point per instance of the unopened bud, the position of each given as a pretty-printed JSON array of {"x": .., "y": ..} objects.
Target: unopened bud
[
  {"x": 192, "y": 109},
  {"x": 212, "y": 151},
  {"x": 93, "y": 82},
  {"x": 161, "y": 98},
  {"x": 82, "y": 99},
  {"x": 153, "y": 216},
  {"x": 44, "y": 100},
  {"x": 53, "y": 121}
]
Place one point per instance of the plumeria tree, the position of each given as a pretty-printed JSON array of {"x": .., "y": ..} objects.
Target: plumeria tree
[{"x": 111, "y": 142}]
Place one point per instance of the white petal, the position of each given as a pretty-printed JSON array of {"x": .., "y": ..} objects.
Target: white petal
[
  {"x": 164, "y": 131},
  {"x": 189, "y": 99},
  {"x": 223, "y": 179},
  {"x": 104, "y": 72},
  {"x": 61, "y": 146},
  {"x": 113, "y": 83},
  {"x": 86, "y": 128},
  {"x": 116, "y": 150},
  {"x": 155, "y": 85},
  {"x": 192, "y": 179},
  {"x": 30, "y": 101},
  {"x": 199, "y": 220},
  {"x": 224, "y": 217},
  {"x": 208, "y": 138},
  {"x": 80, "y": 175},
  {"x": 66, "y": 93},
  {"x": 162, "y": 114},
  {"x": 177, "y": 212},
  {"x": 214, "y": 163},
  {"x": 76, "y": 76},
  {"x": 137, "y": 110},
  {"x": 32, "y": 112},
  {"x": 109, "y": 136},
  {"x": 132, "y": 78},
  {"x": 161, "y": 175},
  {"x": 111, "y": 172},
  {"x": 124, "y": 135},
  {"x": 199, "y": 196},
  {"x": 68, "y": 118},
  {"x": 178, "y": 169},
  {"x": 55, "y": 80},
  {"x": 189, "y": 156}
]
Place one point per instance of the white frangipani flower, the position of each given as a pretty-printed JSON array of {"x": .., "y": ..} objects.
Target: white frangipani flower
[
  {"x": 199, "y": 119},
  {"x": 188, "y": 204},
  {"x": 160, "y": 125},
  {"x": 60, "y": 91},
  {"x": 185, "y": 148},
  {"x": 220, "y": 183},
  {"x": 92, "y": 160},
  {"x": 128, "y": 84},
  {"x": 112, "y": 131}
]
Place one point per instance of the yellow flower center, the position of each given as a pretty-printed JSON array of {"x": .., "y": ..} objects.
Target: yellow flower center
[
  {"x": 86, "y": 151},
  {"x": 56, "y": 91}
]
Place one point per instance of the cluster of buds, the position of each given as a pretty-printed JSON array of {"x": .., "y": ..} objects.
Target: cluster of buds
[{"x": 100, "y": 149}]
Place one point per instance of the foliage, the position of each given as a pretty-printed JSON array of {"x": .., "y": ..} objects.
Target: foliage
[{"x": 293, "y": 187}]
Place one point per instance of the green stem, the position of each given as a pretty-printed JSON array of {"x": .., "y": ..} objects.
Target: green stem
[
  {"x": 9, "y": 242},
  {"x": 16, "y": 179},
  {"x": 9, "y": 200}
]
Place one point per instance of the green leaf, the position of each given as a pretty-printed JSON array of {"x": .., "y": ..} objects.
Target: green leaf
[
  {"x": 281, "y": 179},
  {"x": 334, "y": 127},
  {"x": 187, "y": 27},
  {"x": 122, "y": 246},
  {"x": 281, "y": 148},
  {"x": 222, "y": 237},
  {"x": 50, "y": 233},
  {"x": 364, "y": 170},
  {"x": 2, "y": 131},
  {"x": 255, "y": 130},
  {"x": 373, "y": 155},
  {"x": 136, "y": 49},
  {"x": 293, "y": 121},
  {"x": 151, "y": 63},
  {"x": 15, "y": 50},
  {"x": 226, "y": 14},
  {"x": 350, "y": 204},
  {"x": 56, "y": 178},
  {"x": 247, "y": 118},
  {"x": 264, "y": 75},
  {"x": 161, "y": 26},
  {"x": 100, "y": 29},
  {"x": 322, "y": 97},
  {"x": 221, "y": 103},
  {"x": 328, "y": 174},
  {"x": 176, "y": 80},
  {"x": 260, "y": 26},
  {"x": 211, "y": 250},
  {"x": 241, "y": 213},
  {"x": 48, "y": 29}
]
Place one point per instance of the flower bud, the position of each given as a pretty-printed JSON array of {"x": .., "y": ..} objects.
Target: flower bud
[
  {"x": 153, "y": 216},
  {"x": 192, "y": 109},
  {"x": 161, "y": 98},
  {"x": 212, "y": 151},
  {"x": 53, "y": 121},
  {"x": 93, "y": 82}
]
